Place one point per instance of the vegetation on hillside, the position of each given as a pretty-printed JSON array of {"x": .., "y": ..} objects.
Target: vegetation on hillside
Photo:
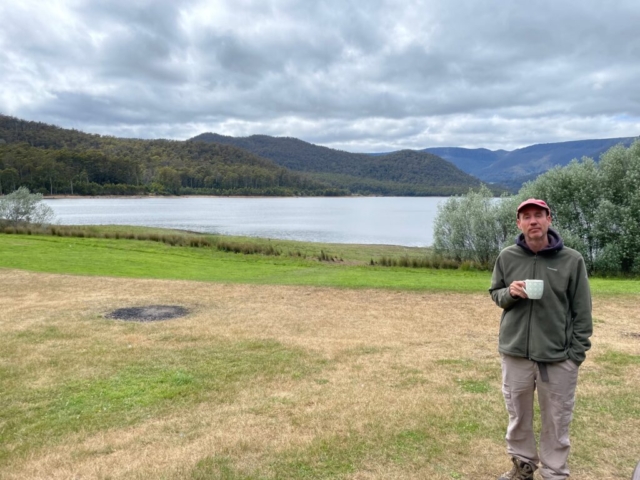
[
  {"x": 54, "y": 160},
  {"x": 406, "y": 172}
]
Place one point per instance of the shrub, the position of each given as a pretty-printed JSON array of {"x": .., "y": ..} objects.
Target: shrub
[
  {"x": 24, "y": 207},
  {"x": 474, "y": 227}
]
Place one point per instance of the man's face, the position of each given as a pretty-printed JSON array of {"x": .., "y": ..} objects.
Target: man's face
[{"x": 534, "y": 223}]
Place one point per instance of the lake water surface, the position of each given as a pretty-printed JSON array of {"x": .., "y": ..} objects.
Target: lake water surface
[{"x": 370, "y": 220}]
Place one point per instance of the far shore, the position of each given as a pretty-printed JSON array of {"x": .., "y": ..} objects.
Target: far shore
[{"x": 70, "y": 197}]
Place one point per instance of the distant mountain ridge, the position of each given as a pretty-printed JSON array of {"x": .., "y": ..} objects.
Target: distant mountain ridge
[
  {"x": 53, "y": 160},
  {"x": 514, "y": 167},
  {"x": 406, "y": 172}
]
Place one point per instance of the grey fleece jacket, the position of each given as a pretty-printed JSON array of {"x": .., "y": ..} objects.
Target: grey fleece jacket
[{"x": 556, "y": 327}]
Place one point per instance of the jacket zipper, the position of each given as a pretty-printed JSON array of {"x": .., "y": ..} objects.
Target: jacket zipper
[{"x": 535, "y": 259}]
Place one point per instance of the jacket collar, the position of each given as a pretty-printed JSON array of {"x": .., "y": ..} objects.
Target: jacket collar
[{"x": 555, "y": 243}]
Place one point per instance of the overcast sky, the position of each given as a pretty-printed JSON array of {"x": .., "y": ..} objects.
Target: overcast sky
[{"x": 356, "y": 75}]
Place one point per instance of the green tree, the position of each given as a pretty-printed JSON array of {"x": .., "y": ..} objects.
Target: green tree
[
  {"x": 8, "y": 180},
  {"x": 23, "y": 206},
  {"x": 475, "y": 226},
  {"x": 618, "y": 215},
  {"x": 169, "y": 178},
  {"x": 573, "y": 193},
  {"x": 594, "y": 205}
]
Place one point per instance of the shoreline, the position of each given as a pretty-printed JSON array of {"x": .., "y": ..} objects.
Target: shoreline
[{"x": 71, "y": 197}]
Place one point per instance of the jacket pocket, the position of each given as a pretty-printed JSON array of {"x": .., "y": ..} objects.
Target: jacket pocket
[
  {"x": 568, "y": 332},
  {"x": 513, "y": 334}
]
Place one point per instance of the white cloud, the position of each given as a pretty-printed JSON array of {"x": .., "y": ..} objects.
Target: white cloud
[{"x": 361, "y": 76}]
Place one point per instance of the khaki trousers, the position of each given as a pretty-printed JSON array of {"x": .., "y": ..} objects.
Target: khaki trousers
[{"x": 520, "y": 377}]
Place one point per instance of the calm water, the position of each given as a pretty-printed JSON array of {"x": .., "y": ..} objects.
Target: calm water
[{"x": 371, "y": 220}]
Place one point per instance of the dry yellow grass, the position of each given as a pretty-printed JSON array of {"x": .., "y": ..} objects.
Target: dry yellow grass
[{"x": 408, "y": 384}]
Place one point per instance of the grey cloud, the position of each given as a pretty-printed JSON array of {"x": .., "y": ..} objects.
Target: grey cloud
[{"x": 367, "y": 76}]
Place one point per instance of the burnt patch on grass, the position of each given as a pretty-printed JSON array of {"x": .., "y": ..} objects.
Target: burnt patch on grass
[{"x": 150, "y": 313}]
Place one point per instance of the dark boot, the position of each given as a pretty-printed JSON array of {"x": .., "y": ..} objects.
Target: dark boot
[{"x": 520, "y": 471}]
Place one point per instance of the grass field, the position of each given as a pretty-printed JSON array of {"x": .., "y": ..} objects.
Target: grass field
[
  {"x": 145, "y": 259},
  {"x": 281, "y": 370}
]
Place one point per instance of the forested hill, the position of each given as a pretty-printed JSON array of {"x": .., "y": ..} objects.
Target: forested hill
[
  {"x": 54, "y": 160},
  {"x": 517, "y": 166},
  {"x": 406, "y": 172}
]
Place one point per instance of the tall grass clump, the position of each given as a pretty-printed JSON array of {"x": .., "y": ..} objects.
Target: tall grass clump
[
  {"x": 168, "y": 239},
  {"x": 247, "y": 248},
  {"x": 430, "y": 261},
  {"x": 325, "y": 257},
  {"x": 200, "y": 242}
]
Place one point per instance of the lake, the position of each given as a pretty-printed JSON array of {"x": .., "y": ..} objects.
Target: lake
[{"x": 369, "y": 220}]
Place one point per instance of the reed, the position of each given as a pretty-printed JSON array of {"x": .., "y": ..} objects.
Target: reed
[
  {"x": 247, "y": 248},
  {"x": 194, "y": 241},
  {"x": 325, "y": 257},
  {"x": 431, "y": 261}
]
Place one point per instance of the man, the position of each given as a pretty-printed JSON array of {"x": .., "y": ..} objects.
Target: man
[{"x": 542, "y": 342}]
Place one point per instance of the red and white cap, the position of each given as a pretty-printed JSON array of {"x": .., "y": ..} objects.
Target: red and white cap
[{"x": 534, "y": 202}]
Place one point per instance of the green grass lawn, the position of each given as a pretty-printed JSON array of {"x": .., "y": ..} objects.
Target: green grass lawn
[{"x": 144, "y": 259}]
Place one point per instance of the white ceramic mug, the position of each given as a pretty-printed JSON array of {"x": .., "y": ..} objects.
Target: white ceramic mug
[{"x": 534, "y": 289}]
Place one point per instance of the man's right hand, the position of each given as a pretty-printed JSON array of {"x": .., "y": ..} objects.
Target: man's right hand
[{"x": 516, "y": 289}]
